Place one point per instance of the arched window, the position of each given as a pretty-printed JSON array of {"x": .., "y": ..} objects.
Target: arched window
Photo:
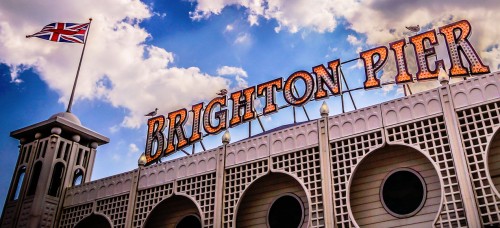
[
  {"x": 19, "y": 183},
  {"x": 78, "y": 177},
  {"x": 34, "y": 178},
  {"x": 57, "y": 179}
]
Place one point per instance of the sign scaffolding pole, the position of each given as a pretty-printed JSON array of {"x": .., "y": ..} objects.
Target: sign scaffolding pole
[{"x": 78, "y": 70}]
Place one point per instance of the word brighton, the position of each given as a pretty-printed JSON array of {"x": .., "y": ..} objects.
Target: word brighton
[{"x": 323, "y": 84}]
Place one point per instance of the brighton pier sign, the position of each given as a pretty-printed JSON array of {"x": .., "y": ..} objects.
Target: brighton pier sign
[{"x": 323, "y": 84}]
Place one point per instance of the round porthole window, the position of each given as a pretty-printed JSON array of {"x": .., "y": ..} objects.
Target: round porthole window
[
  {"x": 403, "y": 192},
  {"x": 286, "y": 211}
]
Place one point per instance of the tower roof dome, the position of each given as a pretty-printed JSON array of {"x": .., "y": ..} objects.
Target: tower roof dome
[{"x": 68, "y": 116}]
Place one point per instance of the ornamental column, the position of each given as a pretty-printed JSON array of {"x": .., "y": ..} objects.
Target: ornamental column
[{"x": 326, "y": 173}]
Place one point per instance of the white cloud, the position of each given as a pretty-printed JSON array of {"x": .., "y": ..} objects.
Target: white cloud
[
  {"x": 227, "y": 70},
  {"x": 113, "y": 129},
  {"x": 253, "y": 20},
  {"x": 237, "y": 72},
  {"x": 243, "y": 38},
  {"x": 358, "y": 50},
  {"x": 331, "y": 52},
  {"x": 359, "y": 64},
  {"x": 380, "y": 21},
  {"x": 353, "y": 40},
  {"x": 229, "y": 28},
  {"x": 118, "y": 67},
  {"x": 15, "y": 70},
  {"x": 385, "y": 21},
  {"x": 132, "y": 149},
  {"x": 116, "y": 157},
  {"x": 161, "y": 15},
  {"x": 292, "y": 15}
]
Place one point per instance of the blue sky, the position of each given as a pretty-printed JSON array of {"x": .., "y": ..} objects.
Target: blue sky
[{"x": 172, "y": 54}]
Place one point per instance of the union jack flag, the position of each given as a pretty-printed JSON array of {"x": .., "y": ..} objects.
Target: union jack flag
[{"x": 63, "y": 32}]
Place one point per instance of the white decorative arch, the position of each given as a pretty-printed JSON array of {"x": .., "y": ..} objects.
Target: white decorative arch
[
  {"x": 496, "y": 132},
  {"x": 382, "y": 146},
  {"x": 269, "y": 172},
  {"x": 181, "y": 194}
]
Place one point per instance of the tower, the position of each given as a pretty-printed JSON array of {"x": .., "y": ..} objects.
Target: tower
[{"x": 53, "y": 154}]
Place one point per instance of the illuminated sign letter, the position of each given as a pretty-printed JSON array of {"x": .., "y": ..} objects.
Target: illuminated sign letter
[
  {"x": 398, "y": 47},
  {"x": 220, "y": 116},
  {"x": 288, "y": 92},
  {"x": 327, "y": 84},
  {"x": 461, "y": 43},
  {"x": 196, "y": 133},
  {"x": 422, "y": 55},
  {"x": 238, "y": 103},
  {"x": 371, "y": 67},
  {"x": 176, "y": 121},
  {"x": 323, "y": 77},
  {"x": 155, "y": 133},
  {"x": 269, "y": 88}
]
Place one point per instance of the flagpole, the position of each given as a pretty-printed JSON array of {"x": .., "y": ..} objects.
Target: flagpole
[{"x": 78, "y": 70}]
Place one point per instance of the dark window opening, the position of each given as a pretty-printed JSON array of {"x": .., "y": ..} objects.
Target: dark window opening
[
  {"x": 59, "y": 150},
  {"x": 403, "y": 193},
  {"x": 34, "y": 178},
  {"x": 27, "y": 158},
  {"x": 40, "y": 147},
  {"x": 86, "y": 159},
  {"x": 57, "y": 179},
  {"x": 19, "y": 183},
  {"x": 79, "y": 157},
  {"x": 190, "y": 221},
  {"x": 44, "y": 149},
  {"x": 23, "y": 153},
  {"x": 66, "y": 151},
  {"x": 286, "y": 211}
]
